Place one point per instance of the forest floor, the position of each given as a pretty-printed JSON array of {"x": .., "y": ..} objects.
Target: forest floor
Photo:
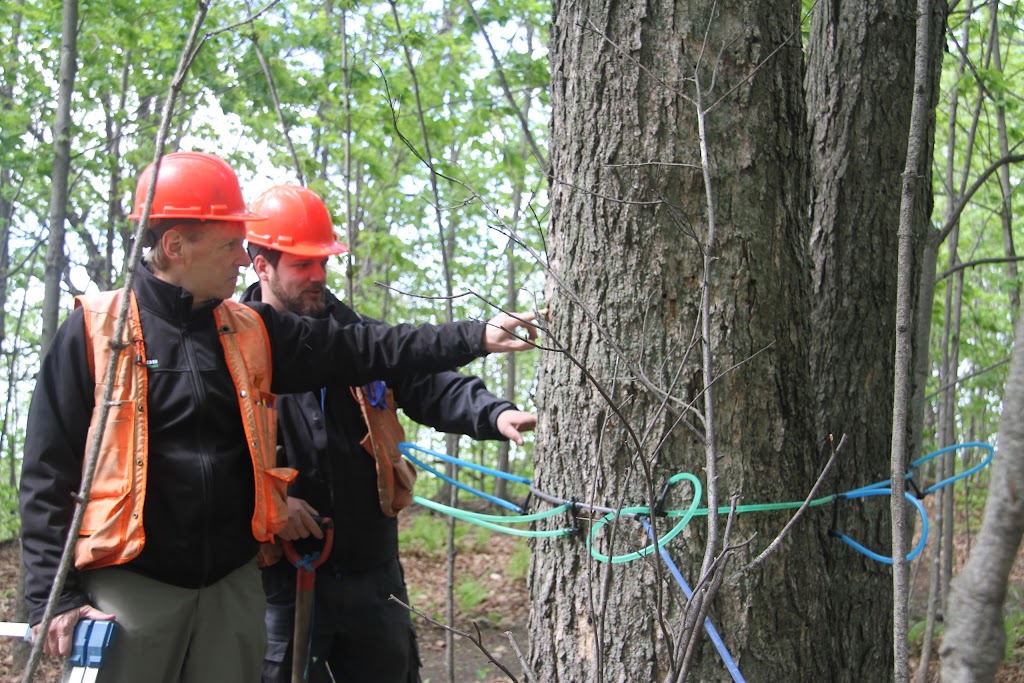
[{"x": 496, "y": 601}]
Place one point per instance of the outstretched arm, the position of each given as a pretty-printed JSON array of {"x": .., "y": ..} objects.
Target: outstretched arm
[{"x": 308, "y": 353}]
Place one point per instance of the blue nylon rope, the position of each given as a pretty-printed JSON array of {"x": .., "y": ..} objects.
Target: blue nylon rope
[{"x": 882, "y": 488}]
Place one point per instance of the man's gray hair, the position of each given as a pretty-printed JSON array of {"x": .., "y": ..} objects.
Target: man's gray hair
[{"x": 155, "y": 257}]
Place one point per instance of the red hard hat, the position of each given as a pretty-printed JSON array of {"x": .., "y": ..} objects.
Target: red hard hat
[
  {"x": 297, "y": 223},
  {"x": 193, "y": 185}
]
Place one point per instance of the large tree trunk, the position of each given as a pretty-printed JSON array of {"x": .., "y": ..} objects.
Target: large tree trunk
[
  {"x": 859, "y": 85},
  {"x": 629, "y": 222}
]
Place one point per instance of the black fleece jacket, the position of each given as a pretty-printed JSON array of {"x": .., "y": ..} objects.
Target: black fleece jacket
[
  {"x": 319, "y": 434},
  {"x": 199, "y": 495}
]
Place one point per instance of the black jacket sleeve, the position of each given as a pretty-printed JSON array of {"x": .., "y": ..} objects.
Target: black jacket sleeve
[
  {"x": 311, "y": 352},
  {"x": 447, "y": 401},
  {"x": 453, "y": 403},
  {"x": 51, "y": 473}
]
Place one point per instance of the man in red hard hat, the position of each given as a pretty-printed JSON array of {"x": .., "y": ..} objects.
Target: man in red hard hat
[
  {"x": 342, "y": 442},
  {"x": 186, "y": 485}
]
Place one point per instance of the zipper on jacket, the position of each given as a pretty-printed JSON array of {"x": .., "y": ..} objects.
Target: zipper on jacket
[{"x": 199, "y": 391}]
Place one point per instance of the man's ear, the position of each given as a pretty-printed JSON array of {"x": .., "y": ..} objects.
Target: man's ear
[
  {"x": 262, "y": 267},
  {"x": 173, "y": 243}
]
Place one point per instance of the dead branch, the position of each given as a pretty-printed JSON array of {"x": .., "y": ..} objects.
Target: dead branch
[
  {"x": 476, "y": 640},
  {"x": 774, "y": 545}
]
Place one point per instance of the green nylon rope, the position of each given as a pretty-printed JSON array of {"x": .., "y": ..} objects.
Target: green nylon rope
[
  {"x": 499, "y": 522},
  {"x": 483, "y": 520}
]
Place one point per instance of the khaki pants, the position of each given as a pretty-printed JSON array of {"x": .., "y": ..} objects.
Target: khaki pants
[{"x": 169, "y": 634}]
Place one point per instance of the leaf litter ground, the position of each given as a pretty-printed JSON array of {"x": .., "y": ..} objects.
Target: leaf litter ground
[{"x": 500, "y": 605}]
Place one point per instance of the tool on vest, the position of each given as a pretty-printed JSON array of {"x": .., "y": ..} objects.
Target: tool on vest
[
  {"x": 395, "y": 475},
  {"x": 305, "y": 578},
  {"x": 89, "y": 645}
]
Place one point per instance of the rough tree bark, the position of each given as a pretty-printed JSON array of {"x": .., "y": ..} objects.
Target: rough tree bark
[
  {"x": 859, "y": 55},
  {"x": 859, "y": 86},
  {"x": 629, "y": 221}
]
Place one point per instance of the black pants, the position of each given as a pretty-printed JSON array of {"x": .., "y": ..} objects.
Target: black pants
[{"x": 357, "y": 631}]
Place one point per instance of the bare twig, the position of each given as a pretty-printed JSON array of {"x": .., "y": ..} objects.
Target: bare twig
[
  {"x": 707, "y": 366},
  {"x": 231, "y": 27},
  {"x": 523, "y": 123},
  {"x": 961, "y": 380},
  {"x": 637, "y": 374},
  {"x": 527, "y": 671},
  {"x": 476, "y": 640},
  {"x": 977, "y": 262},
  {"x": 277, "y": 102},
  {"x": 774, "y": 545},
  {"x": 963, "y": 200}
]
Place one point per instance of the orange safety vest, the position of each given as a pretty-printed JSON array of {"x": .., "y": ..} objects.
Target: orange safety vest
[
  {"x": 112, "y": 528},
  {"x": 395, "y": 475}
]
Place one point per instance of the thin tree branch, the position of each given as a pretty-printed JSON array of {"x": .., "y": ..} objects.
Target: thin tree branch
[
  {"x": 277, "y": 102},
  {"x": 960, "y": 380},
  {"x": 978, "y": 262},
  {"x": 904, "y": 327},
  {"x": 525, "y": 126},
  {"x": 811, "y": 495},
  {"x": 527, "y": 671},
  {"x": 962, "y": 201},
  {"x": 476, "y": 640}
]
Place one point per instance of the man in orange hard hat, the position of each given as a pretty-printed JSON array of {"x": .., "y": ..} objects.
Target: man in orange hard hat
[
  {"x": 186, "y": 485},
  {"x": 342, "y": 440}
]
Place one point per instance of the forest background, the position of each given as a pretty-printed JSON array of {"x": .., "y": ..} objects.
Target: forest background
[{"x": 438, "y": 137}]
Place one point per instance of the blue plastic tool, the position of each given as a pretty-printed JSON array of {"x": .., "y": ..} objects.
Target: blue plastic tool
[{"x": 92, "y": 638}]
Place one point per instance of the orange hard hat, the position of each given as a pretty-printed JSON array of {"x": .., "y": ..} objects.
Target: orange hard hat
[
  {"x": 297, "y": 223},
  {"x": 193, "y": 185}
]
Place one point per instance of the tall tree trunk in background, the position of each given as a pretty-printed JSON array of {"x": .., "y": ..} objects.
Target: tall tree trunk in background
[
  {"x": 20, "y": 649},
  {"x": 351, "y": 227},
  {"x": 56, "y": 259},
  {"x": 974, "y": 639},
  {"x": 949, "y": 380},
  {"x": 511, "y": 297},
  {"x": 959, "y": 152},
  {"x": 118, "y": 236},
  {"x": 6, "y": 189},
  {"x": 629, "y": 223},
  {"x": 942, "y": 530},
  {"x": 509, "y": 389},
  {"x": 860, "y": 73},
  {"x": 1006, "y": 208}
]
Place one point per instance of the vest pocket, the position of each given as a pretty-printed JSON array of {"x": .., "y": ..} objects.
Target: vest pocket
[
  {"x": 113, "y": 475},
  {"x": 101, "y": 540},
  {"x": 105, "y": 517}
]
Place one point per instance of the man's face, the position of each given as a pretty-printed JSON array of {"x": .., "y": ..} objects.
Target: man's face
[
  {"x": 210, "y": 261},
  {"x": 297, "y": 284}
]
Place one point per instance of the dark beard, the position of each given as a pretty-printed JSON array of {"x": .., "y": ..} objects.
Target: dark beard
[{"x": 299, "y": 304}]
